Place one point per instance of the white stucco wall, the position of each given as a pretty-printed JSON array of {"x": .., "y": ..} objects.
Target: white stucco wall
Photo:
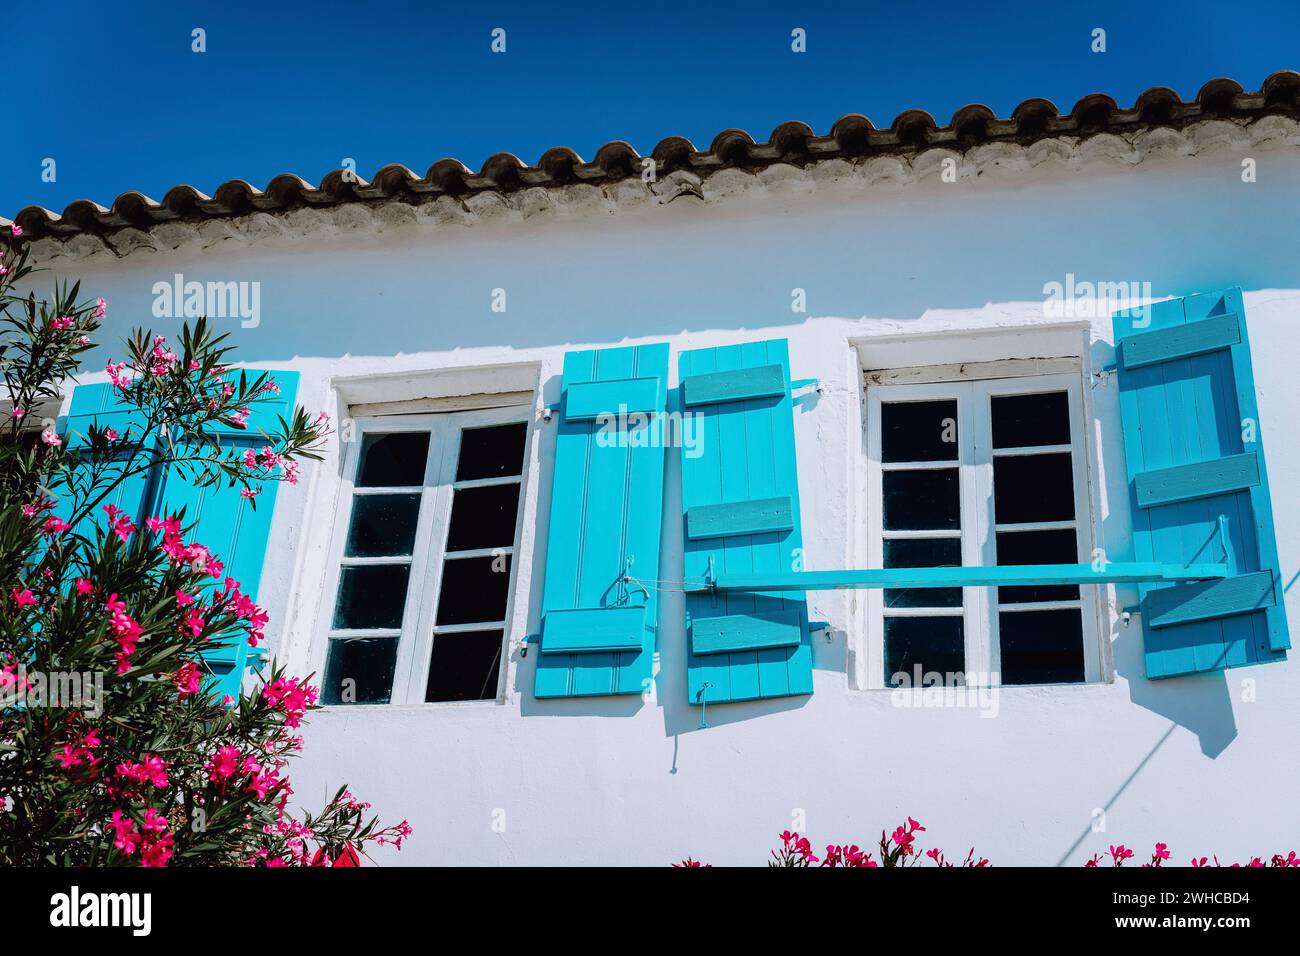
[{"x": 1187, "y": 761}]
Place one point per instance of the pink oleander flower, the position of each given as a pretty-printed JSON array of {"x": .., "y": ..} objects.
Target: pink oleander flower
[
  {"x": 154, "y": 822},
  {"x": 188, "y": 679},
  {"x": 51, "y": 438},
  {"x": 18, "y": 412},
  {"x": 111, "y": 434},
  {"x": 16, "y": 230},
  {"x": 119, "y": 523},
  {"x": 54, "y": 526},
  {"x": 100, "y": 308},
  {"x": 157, "y": 852},
  {"x": 23, "y": 598},
  {"x": 10, "y": 677},
  {"x": 84, "y": 587},
  {"x": 1120, "y": 853},
  {"x": 126, "y": 838},
  {"x": 223, "y": 765}
]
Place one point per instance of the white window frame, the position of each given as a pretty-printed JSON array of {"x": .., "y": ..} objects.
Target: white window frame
[
  {"x": 978, "y": 528},
  {"x": 416, "y": 635}
]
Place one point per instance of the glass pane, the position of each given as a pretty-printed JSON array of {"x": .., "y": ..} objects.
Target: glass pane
[
  {"x": 1042, "y": 647},
  {"x": 1023, "y": 420},
  {"x": 1037, "y": 547},
  {"x": 1033, "y": 488},
  {"x": 483, "y": 517},
  {"x": 918, "y": 431},
  {"x": 935, "y": 644},
  {"x": 371, "y": 596},
  {"x": 360, "y": 671},
  {"x": 474, "y": 589},
  {"x": 492, "y": 452},
  {"x": 923, "y": 553},
  {"x": 464, "y": 666},
  {"x": 393, "y": 461},
  {"x": 921, "y": 500},
  {"x": 382, "y": 525}
]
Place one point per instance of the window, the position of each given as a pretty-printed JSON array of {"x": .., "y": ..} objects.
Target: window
[
  {"x": 980, "y": 473},
  {"x": 426, "y": 539}
]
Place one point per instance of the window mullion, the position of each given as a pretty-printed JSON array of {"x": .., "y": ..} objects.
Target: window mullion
[
  {"x": 426, "y": 570},
  {"x": 983, "y": 624}
]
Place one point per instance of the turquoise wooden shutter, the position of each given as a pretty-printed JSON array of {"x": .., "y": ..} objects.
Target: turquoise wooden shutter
[
  {"x": 229, "y": 525},
  {"x": 740, "y": 493},
  {"x": 1194, "y": 447},
  {"x": 598, "y": 630},
  {"x": 97, "y": 405}
]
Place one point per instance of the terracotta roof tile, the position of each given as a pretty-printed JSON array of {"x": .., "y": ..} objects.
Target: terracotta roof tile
[{"x": 794, "y": 143}]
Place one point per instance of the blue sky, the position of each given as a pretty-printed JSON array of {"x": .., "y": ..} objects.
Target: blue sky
[{"x": 114, "y": 94}]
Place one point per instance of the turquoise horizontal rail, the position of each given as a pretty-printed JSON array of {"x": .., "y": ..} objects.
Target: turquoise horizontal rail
[{"x": 1132, "y": 572}]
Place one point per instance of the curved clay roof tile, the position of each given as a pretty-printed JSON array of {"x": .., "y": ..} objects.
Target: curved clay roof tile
[
  {"x": 557, "y": 163},
  {"x": 287, "y": 189},
  {"x": 1282, "y": 89},
  {"x": 1159, "y": 104},
  {"x": 618, "y": 158},
  {"x": 852, "y": 132},
  {"x": 83, "y": 214},
  {"x": 673, "y": 152},
  {"x": 139, "y": 210},
  {"x": 1094, "y": 111},
  {"x": 792, "y": 138},
  {"x": 732, "y": 147},
  {"x": 502, "y": 169},
  {"x": 449, "y": 176},
  {"x": 913, "y": 127},
  {"x": 1216, "y": 97},
  {"x": 971, "y": 123}
]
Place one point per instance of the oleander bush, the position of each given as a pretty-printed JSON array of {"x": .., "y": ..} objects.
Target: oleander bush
[
  {"x": 901, "y": 848},
  {"x": 144, "y": 763}
]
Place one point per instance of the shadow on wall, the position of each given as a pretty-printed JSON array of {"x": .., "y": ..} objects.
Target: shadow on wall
[{"x": 892, "y": 254}]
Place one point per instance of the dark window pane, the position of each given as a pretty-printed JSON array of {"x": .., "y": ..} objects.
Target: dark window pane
[
  {"x": 1037, "y": 547},
  {"x": 474, "y": 589},
  {"x": 382, "y": 525},
  {"x": 923, "y": 553},
  {"x": 360, "y": 671},
  {"x": 934, "y": 643},
  {"x": 1023, "y": 420},
  {"x": 1033, "y": 488},
  {"x": 483, "y": 517},
  {"x": 464, "y": 666},
  {"x": 918, "y": 431},
  {"x": 1042, "y": 647},
  {"x": 393, "y": 461},
  {"x": 921, "y": 500},
  {"x": 371, "y": 596},
  {"x": 491, "y": 452}
]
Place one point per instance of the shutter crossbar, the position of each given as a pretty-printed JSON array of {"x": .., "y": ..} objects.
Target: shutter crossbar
[{"x": 1042, "y": 575}]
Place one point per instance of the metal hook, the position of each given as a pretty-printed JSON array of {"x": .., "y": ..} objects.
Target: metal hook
[{"x": 703, "y": 703}]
